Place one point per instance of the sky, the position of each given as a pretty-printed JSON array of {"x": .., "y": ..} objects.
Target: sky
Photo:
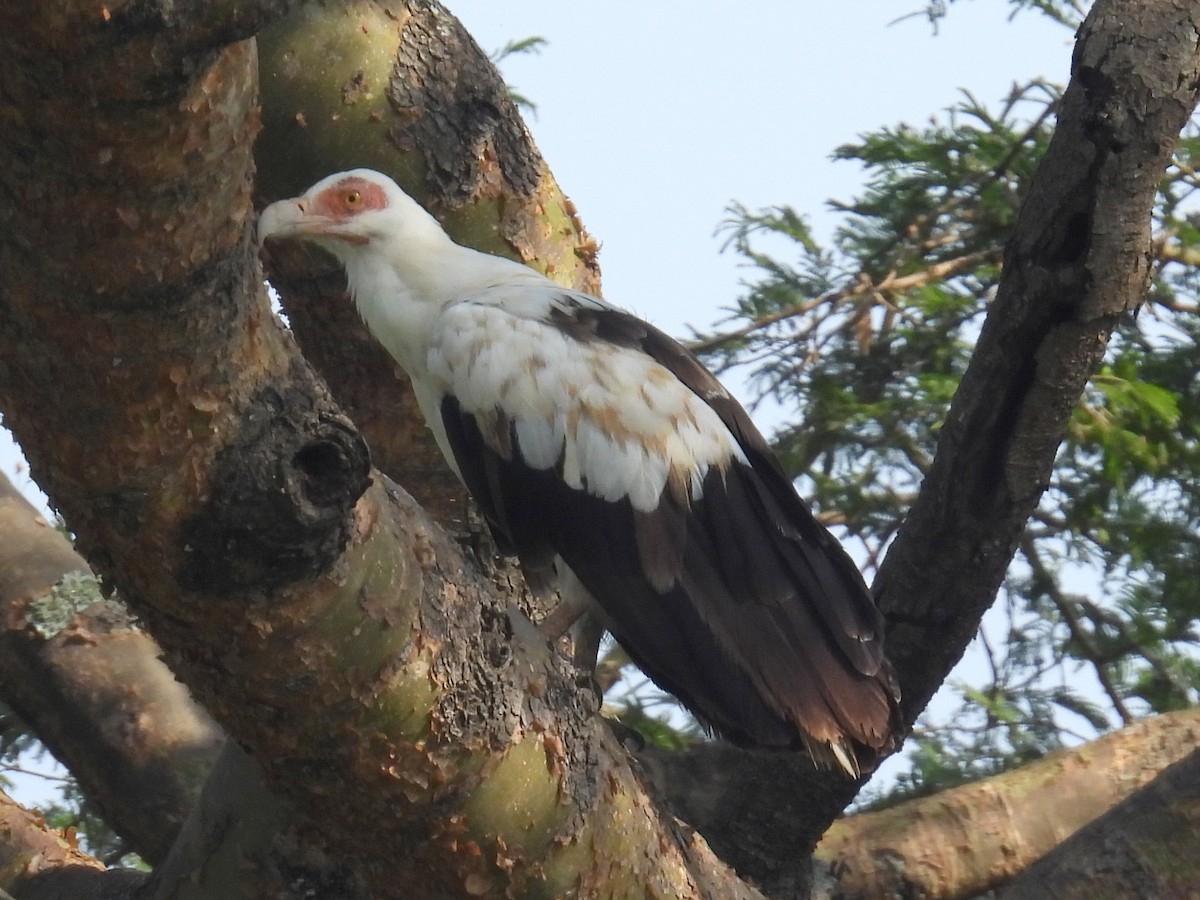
[{"x": 655, "y": 116}]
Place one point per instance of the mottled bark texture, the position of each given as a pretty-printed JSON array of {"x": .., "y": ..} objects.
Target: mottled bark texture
[
  {"x": 401, "y": 87},
  {"x": 331, "y": 628},
  {"x": 1079, "y": 260},
  {"x": 92, "y": 687}
]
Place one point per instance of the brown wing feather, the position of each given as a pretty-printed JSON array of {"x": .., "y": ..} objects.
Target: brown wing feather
[{"x": 851, "y": 616}]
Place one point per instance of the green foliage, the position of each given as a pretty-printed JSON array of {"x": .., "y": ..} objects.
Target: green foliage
[
  {"x": 863, "y": 341},
  {"x": 636, "y": 704},
  {"x": 1065, "y": 12},
  {"x": 654, "y": 730},
  {"x": 534, "y": 45},
  {"x": 890, "y": 309},
  {"x": 74, "y": 815}
]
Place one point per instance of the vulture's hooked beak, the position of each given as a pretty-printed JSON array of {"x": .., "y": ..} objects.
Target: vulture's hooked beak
[{"x": 289, "y": 219}]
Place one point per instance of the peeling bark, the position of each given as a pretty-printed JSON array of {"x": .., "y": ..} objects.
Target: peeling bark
[
  {"x": 338, "y": 635},
  {"x": 37, "y": 863}
]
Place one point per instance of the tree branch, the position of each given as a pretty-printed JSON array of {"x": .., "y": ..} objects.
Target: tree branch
[
  {"x": 92, "y": 687},
  {"x": 336, "y": 634},
  {"x": 199, "y": 24},
  {"x": 1121, "y": 854},
  {"x": 37, "y": 863},
  {"x": 863, "y": 286},
  {"x": 929, "y": 847},
  {"x": 1078, "y": 260},
  {"x": 1066, "y": 608}
]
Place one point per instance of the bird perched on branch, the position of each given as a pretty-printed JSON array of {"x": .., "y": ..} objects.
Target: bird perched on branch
[{"x": 604, "y": 454}]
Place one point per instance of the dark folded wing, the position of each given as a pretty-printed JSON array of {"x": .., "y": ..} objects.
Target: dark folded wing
[{"x": 727, "y": 592}]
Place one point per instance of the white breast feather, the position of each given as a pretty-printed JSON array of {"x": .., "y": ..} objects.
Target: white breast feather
[
  {"x": 619, "y": 422},
  {"x": 540, "y": 440}
]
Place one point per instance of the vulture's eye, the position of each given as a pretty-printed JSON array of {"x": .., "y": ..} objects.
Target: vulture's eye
[{"x": 353, "y": 198}]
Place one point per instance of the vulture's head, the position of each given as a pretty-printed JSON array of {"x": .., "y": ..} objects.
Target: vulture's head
[{"x": 350, "y": 212}]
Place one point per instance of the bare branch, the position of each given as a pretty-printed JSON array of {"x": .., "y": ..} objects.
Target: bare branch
[
  {"x": 1069, "y": 275},
  {"x": 1046, "y": 581},
  {"x": 917, "y": 848},
  {"x": 93, "y": 688},
  {"x": 1121, "y": 853}
]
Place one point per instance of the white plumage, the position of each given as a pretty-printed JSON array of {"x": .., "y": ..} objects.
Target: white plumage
[
  {"x": 588, "y": 435},
  {"x": 570, "y": 402}
]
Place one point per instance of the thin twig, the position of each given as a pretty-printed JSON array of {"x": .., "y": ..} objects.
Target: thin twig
[
  {"x": 21, "y": 770},
  {"x": 1065, "y": 606},
  {"x": 862, "y": 286}
]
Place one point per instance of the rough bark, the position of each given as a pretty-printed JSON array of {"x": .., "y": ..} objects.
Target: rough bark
[
  {"x": 402, "y": 87},
  {"x": 962, "y": 842},
  {"x": 38, "y": 863},
  {"x": 1146, "y": 847},
  {"x": 91, "y": 686},
  {"x": 335, "y": 633},
  {"x": 1079, "y": 259}
]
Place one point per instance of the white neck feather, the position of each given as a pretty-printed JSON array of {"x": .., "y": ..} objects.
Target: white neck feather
[{"x": 408, "y": 272}]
